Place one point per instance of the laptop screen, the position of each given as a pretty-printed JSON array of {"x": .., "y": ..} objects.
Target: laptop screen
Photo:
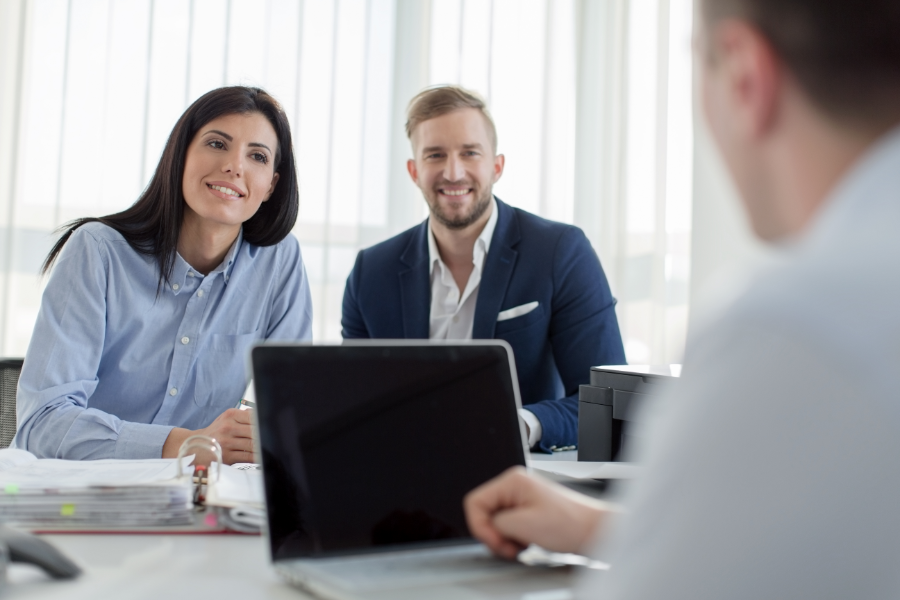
[{"x": 369, "y": 446}]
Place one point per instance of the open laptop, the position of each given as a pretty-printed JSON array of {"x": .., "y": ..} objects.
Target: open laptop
[{"x": 368, "y": 449}]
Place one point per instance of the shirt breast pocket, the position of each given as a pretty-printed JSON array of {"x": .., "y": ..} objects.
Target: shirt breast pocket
[{"x": 221, "y": 367}]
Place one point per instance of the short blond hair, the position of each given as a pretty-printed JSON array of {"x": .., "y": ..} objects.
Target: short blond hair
[{"x": 437, "y": 101}]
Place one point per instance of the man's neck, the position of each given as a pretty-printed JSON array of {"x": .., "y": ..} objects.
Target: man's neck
[
  {"x": 457, "y": 246},
  {"x": 204, "y": 246},
  {"x": 809, "y": 163}
]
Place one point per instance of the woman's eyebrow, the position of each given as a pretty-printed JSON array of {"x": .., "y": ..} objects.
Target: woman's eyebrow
[
  {"x": 222, "y": 133},
  {"x": 258, "y": 145}
]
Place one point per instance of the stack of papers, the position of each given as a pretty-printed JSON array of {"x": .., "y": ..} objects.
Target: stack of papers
[
  {"x": 239, "y": 490},
  {"x": 236, "y": 485},
  {"x": 44, "y": 493}
]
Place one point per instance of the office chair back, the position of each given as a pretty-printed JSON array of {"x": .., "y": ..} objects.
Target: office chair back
[{"x": 9, "y": 381}]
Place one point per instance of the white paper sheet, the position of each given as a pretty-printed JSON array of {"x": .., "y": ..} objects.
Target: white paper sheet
[
  {"x": 236, "y": 487},
  {"x": 587, "y": 470},
  {"x": 12, "y": 457},
  {"x": 55, "y": 474}
]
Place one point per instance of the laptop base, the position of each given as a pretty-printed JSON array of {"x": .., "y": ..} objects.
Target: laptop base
[{"x": 468, "y": 571}]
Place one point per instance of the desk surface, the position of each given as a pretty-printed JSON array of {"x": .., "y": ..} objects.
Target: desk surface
[
  {"x": 138, "y": 567},
  {"x": 152, "y": 567}
]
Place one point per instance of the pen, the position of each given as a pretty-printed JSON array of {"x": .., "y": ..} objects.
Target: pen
[{"x": 248, "y": 400}]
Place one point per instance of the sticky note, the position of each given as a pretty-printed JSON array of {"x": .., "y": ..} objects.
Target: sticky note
[
  {"x": 211, "y": 520},
  {"x": 67, "y": 510},
  {"x": 11, "y": 488}
]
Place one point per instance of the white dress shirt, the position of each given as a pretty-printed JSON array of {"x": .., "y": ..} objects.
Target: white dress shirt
[
  {"x": 453, "y": 314},
  {"x": 773, "y": 470}
]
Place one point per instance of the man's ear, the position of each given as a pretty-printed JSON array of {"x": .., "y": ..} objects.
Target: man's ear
[
  {"x": 753, "y": 75},
  {"x": 413, "y": 171},
  {"x": 272, "y": 187},
  {"x": 499, "y": 163}
]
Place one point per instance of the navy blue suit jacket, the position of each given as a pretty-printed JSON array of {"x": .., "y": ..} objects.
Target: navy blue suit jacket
[{"x": 574, "y": 327}]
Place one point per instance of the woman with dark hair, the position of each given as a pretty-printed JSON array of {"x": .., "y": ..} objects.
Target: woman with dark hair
[{"x": 143, "y": 329}]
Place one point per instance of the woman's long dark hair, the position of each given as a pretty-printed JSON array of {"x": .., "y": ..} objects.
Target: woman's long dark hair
[{"x": 153, "y": 223}]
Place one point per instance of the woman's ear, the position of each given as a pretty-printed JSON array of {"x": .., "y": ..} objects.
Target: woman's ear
[{"x": 272, "y": 187}]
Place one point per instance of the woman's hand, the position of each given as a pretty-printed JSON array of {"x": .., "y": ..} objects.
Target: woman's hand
[
  {"x": 516, "y": 509},
  {"x": 232, "y": 429}
]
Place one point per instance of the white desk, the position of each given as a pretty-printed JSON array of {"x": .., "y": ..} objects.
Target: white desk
[
  {"x": 163, "y": 567},
  {"x": 208, "y": 567},
  {"x": 594, "y": 489},
  {"x": 155, "y": 567},
  {"x": 567, "y": 455}
]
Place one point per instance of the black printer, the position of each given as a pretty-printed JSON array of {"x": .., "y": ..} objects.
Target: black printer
[{"x": 607, "y": 404}]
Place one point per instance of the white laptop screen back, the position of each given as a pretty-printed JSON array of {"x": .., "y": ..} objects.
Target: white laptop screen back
[{"x": 372, "y": 447}]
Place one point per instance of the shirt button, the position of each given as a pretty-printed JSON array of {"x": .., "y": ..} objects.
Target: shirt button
[
  {"x": 175, "y": 286},
  {"x": 199, "y": 293},
  {"x": 185, "y": 340},
  {"x": 173, "y": 391},
  {"x": 190, "y": 273}
]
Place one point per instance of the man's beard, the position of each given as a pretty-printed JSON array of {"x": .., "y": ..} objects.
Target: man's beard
[{"x": 463, "y": 221}]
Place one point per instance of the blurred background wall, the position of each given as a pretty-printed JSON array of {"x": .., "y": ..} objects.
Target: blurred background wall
[{"x": 592, "y": 100}]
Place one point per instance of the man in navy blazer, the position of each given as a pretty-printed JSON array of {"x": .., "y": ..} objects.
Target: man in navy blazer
[{"x": 478, "y": 268}]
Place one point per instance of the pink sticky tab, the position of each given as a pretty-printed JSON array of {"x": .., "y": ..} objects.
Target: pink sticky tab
[{"x": 211, "y": 520}]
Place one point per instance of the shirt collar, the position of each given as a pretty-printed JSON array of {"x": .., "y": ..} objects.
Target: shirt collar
[
  {"x": 182, "y": 268},
  {"x": 871, "y": 182},
  {"x": 482, "y": 244}
]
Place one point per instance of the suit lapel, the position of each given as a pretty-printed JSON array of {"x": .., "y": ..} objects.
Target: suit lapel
[
  {"x": 498, "y": 268},
  {"x": 415, "y": 287}
]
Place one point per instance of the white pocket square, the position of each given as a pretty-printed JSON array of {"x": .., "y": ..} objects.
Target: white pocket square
[{"x": 517, "y": 311}]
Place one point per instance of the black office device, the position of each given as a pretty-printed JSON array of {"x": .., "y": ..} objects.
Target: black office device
[
  {"x": 608, "y": 403},
  {"x": 22, "y": 547}
]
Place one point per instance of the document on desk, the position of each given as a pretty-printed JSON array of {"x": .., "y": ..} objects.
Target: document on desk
[
  {"x": 23, "y": 469},
  {"x": 240, "y": 492},
  {"x": 586, "y": 470},
  {"x": 112, "y": 493},
  {"x": 236, "y": 487}
]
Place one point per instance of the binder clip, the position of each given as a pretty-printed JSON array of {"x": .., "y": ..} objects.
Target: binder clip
[{"x": 201, "y": 472}]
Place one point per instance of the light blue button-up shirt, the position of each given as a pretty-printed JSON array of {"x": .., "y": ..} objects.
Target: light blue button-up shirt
[{"x": 113, "y": 366}]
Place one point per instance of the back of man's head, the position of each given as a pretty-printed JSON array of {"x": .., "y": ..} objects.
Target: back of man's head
[{"x": 844, "y": 55}]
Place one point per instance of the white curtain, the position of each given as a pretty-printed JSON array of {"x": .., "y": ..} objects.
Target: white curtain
[{"x": 592, "y": 101}]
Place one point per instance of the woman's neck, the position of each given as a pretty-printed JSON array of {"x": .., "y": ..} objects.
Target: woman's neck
[{"x": 204, "y": 245}]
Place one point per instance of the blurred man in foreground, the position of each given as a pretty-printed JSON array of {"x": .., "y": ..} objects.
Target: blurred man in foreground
[{"x": 774, "y": 470}]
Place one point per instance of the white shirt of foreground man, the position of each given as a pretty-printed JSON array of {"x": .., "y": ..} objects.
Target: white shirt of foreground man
[{"x": 775, "y": 470}]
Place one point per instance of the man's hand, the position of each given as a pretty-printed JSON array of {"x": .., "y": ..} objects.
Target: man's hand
[
  {"x": 233, "y": 431},
  {"x": 516, "y": 509}
]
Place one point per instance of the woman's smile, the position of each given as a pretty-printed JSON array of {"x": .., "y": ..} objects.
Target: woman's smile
[{"x": 225, "y": 190}]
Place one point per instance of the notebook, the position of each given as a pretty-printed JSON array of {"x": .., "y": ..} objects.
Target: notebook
[{"x": 368, "y": 449}]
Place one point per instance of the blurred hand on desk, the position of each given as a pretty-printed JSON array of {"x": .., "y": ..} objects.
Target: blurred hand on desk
[
  {"x": 517, "y": 509},
  {"x": 232, "y": 429}
]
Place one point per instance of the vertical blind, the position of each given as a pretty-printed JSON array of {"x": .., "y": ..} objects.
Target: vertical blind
[{"x": 592, "y": 102}]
